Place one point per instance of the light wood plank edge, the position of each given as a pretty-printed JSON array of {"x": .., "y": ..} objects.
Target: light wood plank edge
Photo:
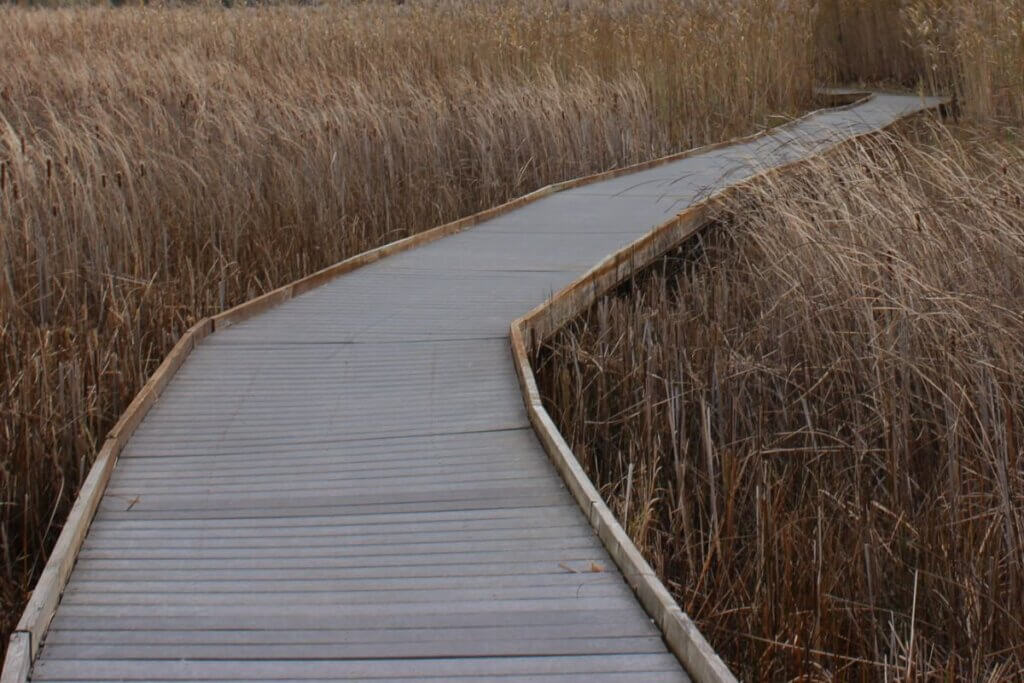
[
  {"x": 528, "y": 332},
  {"x": 48, "y": 589},
  {"x": 19, "y": 658}
]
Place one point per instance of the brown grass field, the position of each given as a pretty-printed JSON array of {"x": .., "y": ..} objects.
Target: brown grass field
[{"x": 162, "y": 163}]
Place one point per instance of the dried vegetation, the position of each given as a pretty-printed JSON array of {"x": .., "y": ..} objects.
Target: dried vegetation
[{"x": 159, "y": 164}]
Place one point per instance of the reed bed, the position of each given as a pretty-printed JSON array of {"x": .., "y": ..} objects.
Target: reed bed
[
  {"x": 973, "y": 51},
  {"x": 810, "y": 418},
  {"x": 161, "y": 163}
]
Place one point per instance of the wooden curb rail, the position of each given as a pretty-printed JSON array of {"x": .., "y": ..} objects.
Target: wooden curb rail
[{"x": 681, "y": 634}]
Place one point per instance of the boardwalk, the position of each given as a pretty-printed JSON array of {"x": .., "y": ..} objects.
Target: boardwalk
[{"x": 347, "y": 485}]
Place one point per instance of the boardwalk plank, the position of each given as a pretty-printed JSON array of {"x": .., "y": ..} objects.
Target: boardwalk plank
[
  {"x": 565, "y": 579},
  {"x": 351, "y": 636},
  {"x": 381, "y": 549},
  {"x": 83, "y": 596},
  {"x": 399, "y": 522},
  {"x": 501, "y": 566},
  {"x": 497, "y": 647},
  {"x": 553, "y": 558},
  {"x": 648, "y": 676},
  {"x": 371, "y": 624},
  {"x": 101, "y": 540},
  {"x": 363, "y": 669}
]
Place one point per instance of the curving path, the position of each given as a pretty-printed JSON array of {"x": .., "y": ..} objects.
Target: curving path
[{"x": 348, "y": 486}]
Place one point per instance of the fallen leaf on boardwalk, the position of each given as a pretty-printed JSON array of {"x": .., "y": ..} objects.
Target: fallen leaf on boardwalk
[{"x": 595, "y": 567}]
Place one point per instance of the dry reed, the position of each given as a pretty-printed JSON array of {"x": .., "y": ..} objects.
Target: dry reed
[
  {"x": 973, "y": 51},
  {"x": 159, "y": 164}
]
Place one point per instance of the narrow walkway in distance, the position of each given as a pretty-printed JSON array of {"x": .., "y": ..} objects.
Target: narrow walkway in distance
[{"x": 347, "y": 486}]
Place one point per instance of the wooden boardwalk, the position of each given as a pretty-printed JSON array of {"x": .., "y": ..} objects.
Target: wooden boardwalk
[{"x": 347, "y": 485}]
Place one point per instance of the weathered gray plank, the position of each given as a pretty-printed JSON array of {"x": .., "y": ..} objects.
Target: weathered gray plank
[
  {"x": 363, "y": 669},
  {"x": 383, "y": 468},
  {"x": 565, "y": 579},
  {"x": 314, "y": 484},
  {"x": 502, "y": 528},
  {"x": 484, "y": 444},
  {"x": 333, "y": 535},
  {"x": 555, "y": 558},
  {"x": 268, "y": 596},
  {"x": 227, "y": 620},
  {"x": 403, "y": 610},
  {"x": 647, "y": 676},
  {"x": 354, "y": 635},
  {"x": 398, "y": 501},
  {"x": 383, "y": 548},
  {"x": 496, "y": 647},
  {"x": 501, "y": 566},
  {"x": 125, "y": 508},
  {"x": 496, "y": 517}
]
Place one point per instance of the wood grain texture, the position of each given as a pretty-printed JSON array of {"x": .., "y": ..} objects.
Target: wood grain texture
[
  {"x": 18, "y": 661},
  {"x": 347, "y": 457}
]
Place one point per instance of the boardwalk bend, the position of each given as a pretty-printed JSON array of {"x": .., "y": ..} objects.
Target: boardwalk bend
[{"x": 349, "y": 484}]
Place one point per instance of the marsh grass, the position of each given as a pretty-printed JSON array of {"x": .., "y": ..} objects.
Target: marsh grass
[
  {"x": 810, "y": 418},
  {"x": 162, "y": 163}
]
